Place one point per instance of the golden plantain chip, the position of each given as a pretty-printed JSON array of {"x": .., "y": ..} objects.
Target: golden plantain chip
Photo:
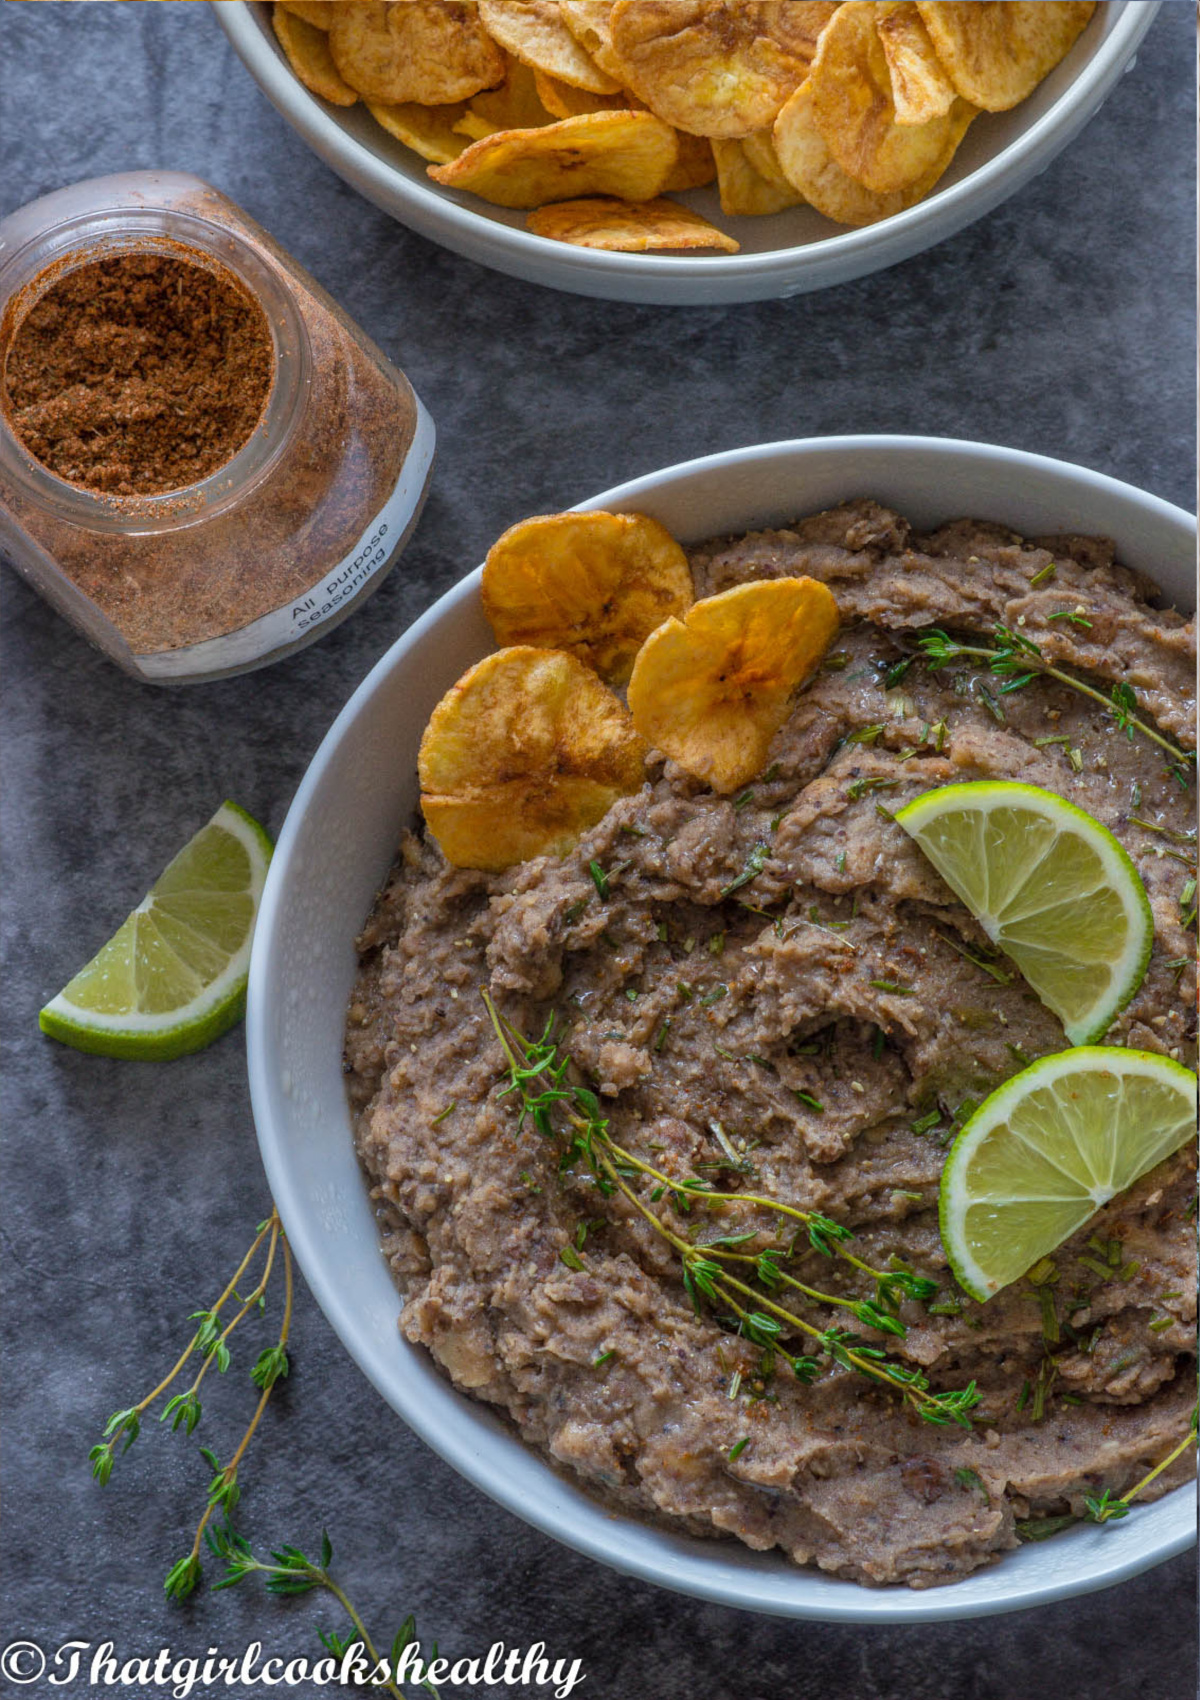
[
  {"x": 852, "y": 107},
  {"x": 308, "y": 54},
  {"x": 561, "y": 100},
  {"x": 515, "y": 105},
  {"x": 649, "y": 227},
  {"x": 696, "y": 165},
  {"x": 996, "y": 54},
  {"x": 534, "y": 32},
  {"x": 711, "y": 690},
  {"x": 743, "y": 188},
  {"x": 716, "y": 67},
  {"x": 595, "y": 584},
  {"x": 630, "y": 154},
  {"x": 432, "y": 51},
  {"x": 314, "y": 12},
  {"x": 521, "y": 756},
  {"x": 760, "y": 151},
  {"x": 427, "y": 130},
  {"x": 806, "y": 162},
  {"x": 921, "y": 90},
  {"x": 589, "y": 22}
]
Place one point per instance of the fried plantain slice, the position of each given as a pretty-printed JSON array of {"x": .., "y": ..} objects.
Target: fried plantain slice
[
  {"x": 744, "y": 189},
  {"x": 432, "y": 51},
  {"x": 759, "y": 148},
  {"x": 852, "y": 107},
  {"x": 534, "y": 32},
  {"x": 427, "y": 130},
  {"x": 515, "y": 105},
  {"x": 561, "y": 100},
  {"x": 589, "y": 21},
  {"x": 806, "y": 162},
  {"x": 644, "y": 227},
  {"x": 521, "y": 756},
  {"x": 716, "y": 67},
  {"x": 996, "y": 52},
  {"x": 711, "y": 690},
  {"x": 308, "y": 54},
  {"x": 315, "y": 12},
  {"x": 595, "y": 584},
  {"x": 696, "y": 165},
  {"x": 921, "y": 90},
  {"x": 630, "y": 154}
]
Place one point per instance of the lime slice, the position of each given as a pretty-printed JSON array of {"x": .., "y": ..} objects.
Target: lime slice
[
  {"x": 1050, "y": 886},
  {"x": 1049, "y": 1148},
  {"x": 173, "y": 977}
]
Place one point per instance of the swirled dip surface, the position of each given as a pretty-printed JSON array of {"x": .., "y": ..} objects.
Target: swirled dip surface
[{"x": 689, "y": 1010}]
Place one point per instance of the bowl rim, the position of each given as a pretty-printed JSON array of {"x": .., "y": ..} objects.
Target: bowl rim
[
  {"x": 866, "y": 247},
  {"x": 598, "y": 1536}
]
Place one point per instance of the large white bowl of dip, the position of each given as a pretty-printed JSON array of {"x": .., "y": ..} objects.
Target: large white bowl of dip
[
  {"x": 336, "y": 846},
  {"x": 788, "y": 253}
]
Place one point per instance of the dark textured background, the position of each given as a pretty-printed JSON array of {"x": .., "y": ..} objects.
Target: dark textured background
[{"x": 1062, "y": 323}]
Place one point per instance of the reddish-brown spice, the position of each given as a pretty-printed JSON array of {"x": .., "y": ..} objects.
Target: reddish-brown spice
[{"x": 139, "y": 374}]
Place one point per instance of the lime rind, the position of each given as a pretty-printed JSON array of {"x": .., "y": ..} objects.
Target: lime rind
[
  {"x": 1050, "y": 886},
  {"x": 173, "y": 977},
  {"x": 1049, "y": 1148}
]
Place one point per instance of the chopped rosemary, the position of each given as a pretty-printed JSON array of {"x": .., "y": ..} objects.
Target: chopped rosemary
[
  {"x": 599, "y": 879},
  {"x": 1041, "y": 578},
  {"x": 603, "y": 1358},
  {"x": 807, "y": 1098},
  {"x": 442, "y": 1114},
  {"x": 738, "y": 1447},
  {"x": 714, "y": 995},
  {"x": 896, "y": 988}
]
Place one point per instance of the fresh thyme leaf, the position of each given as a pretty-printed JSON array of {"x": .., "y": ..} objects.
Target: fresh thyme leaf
[
  {"x": 755, "y": 863},
  {"x": 968, "y": 1478},
  {"x": 599, "y": 879},
  {"x": 893, "y": 986},
  {"x": 807, "y": 1098},
  {"x": 738, "y": 1447}
]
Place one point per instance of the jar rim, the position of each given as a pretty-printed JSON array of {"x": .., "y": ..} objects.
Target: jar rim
[{"x": 102, "y": 233}]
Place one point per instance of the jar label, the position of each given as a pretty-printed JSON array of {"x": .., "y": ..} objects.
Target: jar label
[{"x": 328, "y": 601}]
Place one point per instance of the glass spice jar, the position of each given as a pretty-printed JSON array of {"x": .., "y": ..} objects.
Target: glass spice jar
[{"x": 289, "y": 523}]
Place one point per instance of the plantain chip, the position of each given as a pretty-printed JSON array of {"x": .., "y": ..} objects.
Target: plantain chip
[
  {"x": 515, "y": 105},
  {"x": 744, "y": 189},
  {"x": 853, "y": 109},
  {"x": 696, "y": 165},
  {"x": 589, "y": 21},
  {"x": 921, "y": 90},
  {"x": 595, "y": 584},
  {"x": 711, "y": 690},
  {"x": 716, "y": 67},
  {"x": 760, "y": 151},
  {"x": 807, "y": 163},
  {"x": 562, "y": 100},
  {"x": 432, "y": 51},
  {"x": 427, "y": 130},
  {"x": 647, "y": 227},
  {"x": 995, "y": 54},
  {"x": 534, "y": 32},
  {"x": 630, "y": 154},
  {"x": 308, "y": 54},
  {"x": 521, "y": 756},
  {"x": 314, "y": 12}
]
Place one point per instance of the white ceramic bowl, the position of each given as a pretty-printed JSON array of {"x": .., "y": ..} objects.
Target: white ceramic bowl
[
  {"x": 334, "y": 851},
  {"x": 787, "y": 254}
]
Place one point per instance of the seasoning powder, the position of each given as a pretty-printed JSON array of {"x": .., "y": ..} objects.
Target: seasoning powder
[{"x": 139, "y": 374}]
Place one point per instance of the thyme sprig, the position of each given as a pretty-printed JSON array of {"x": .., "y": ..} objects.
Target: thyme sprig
[
  {"x": 1017, "y": 660},
  {"x": 539, "y": 1076},
  {"x": 289, "y": 1572},
  {"x": 210, "y": 1342},
  {"x": 1106, "y": 1509}
]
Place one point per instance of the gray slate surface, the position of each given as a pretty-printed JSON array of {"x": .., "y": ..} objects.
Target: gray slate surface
[{"x": 1063, "y": 323}]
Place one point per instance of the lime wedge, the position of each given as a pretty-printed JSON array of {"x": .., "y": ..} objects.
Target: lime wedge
[
  {"x": 1049, "y": 1148},
  {"x": 1050, "y": 886},
  {"x": 173, "y": 977}
]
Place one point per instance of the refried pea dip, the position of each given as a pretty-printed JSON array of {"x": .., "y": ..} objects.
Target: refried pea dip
[{"x": 814, "y": 1032}]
